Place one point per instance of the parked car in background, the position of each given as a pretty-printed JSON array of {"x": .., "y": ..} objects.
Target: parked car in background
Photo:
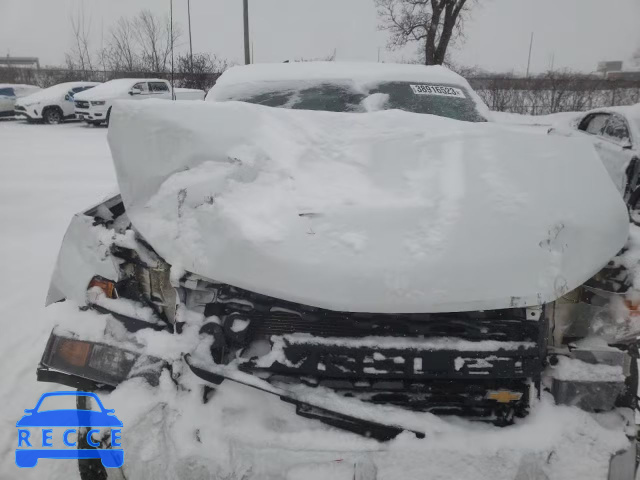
[
  {"x": 9, "y": 93},
  {"x": 52, "y": 105},
  {"x": 615, "y": 132},
  {"x": 94, "y": 107}
]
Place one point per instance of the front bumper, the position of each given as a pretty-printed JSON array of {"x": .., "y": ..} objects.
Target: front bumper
[
  {"x": 92, "y": 114},
  {"x": 27, "y": 113}
]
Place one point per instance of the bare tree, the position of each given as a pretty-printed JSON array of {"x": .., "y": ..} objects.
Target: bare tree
[
  {"x": 202, "y": 73},
  {"x": 153, "y": 36},
  {"x": 120, "y": 54},
  {"x": 79, "y": 57},
  {"x": 433, "y": 24}
]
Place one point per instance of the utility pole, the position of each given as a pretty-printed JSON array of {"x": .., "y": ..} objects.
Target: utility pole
[
  {"x": 247, "y": 46},
  {"x": 530, "y": 48},
  {"x": 173, "y": 90},
  {"x": 190, "y": 42},
  {"x": 104, "y": 69}
]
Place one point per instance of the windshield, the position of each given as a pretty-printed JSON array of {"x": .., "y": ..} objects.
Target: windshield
[{"x": 450, "y": 101}]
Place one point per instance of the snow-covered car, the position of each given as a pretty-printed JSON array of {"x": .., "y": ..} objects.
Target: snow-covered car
[
  {"x": 52, "y": 105},
  {"x": 615, "y": 132},
  {"x": 94, "y": 107},
  {"x": 9, "y": 93},
  {"x": 370, "y": 248}
]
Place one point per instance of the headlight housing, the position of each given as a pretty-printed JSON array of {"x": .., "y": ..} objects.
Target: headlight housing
[
  {"x": 98, "y": 362},
  {"x": 99, "y": 102}
]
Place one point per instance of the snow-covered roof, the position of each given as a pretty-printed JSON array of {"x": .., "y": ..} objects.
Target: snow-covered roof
[
  {"x": 20, "y": 89},
  {"x": 359, "y": 71},
  {"x": 113, "y": 87},
  {"x": 55, "y": 92}
]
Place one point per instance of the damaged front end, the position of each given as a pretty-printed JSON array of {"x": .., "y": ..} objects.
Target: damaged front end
[{"x": 485, "y": 365}]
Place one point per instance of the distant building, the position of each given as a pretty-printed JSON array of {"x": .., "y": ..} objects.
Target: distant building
[
  {"x": 610, "y": 66},
  {"x": 629, "y": 75},
  {"x": 28, "y": 62},
  {"x": 613, "y": 70}
]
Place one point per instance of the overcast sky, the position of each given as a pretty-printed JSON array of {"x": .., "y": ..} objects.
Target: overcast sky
[{"x": 578, "y": 33}]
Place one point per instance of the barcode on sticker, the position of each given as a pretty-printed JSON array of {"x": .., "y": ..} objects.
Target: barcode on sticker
[{"x": 440, "y": 90}]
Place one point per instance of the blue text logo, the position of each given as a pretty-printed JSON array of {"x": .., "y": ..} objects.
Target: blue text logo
[{"x": 42, "y": 432}]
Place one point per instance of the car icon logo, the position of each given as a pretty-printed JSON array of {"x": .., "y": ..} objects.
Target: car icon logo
[{"x": 28, "y": 453}]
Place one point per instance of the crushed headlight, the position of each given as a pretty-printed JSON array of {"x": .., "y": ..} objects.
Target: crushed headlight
[
  {"x": 98, "y": 362},
  {"x": 107, "y": 286},
  {"x": 109, "y": 359},
  {"x": 74, "y": 353}
]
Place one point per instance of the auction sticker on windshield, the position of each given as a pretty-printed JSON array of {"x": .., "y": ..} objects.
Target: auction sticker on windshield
[{"x": 440, "y": 90}]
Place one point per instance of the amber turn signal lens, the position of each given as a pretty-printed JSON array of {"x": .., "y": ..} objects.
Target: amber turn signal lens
[
  {"x": 107, "y": 286},
  {"x": 633, "y": 307},
  {"x": 74, "y": 353}
]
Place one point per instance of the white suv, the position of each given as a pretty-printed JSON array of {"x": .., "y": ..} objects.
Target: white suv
[
  {"x": 51, "y": 105},
  {"x": 9, "y": 93},
  {"x": 94, "y": 107}
]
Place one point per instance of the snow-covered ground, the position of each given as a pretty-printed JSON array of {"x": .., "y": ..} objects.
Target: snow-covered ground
[
  {"x": 48, "y": 173},
  {"x": 51, "y": 172}
]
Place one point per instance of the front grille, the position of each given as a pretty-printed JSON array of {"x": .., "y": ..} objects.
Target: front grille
[
  {"x": 266, "y": 316},
  {"x": 441, "y": 363},
  {"x": 82, "y": 104},
  {"x": 384, "y": 363},
  {"x": 335, "y": 324}
]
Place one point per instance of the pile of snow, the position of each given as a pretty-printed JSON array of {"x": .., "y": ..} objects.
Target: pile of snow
[
  {"x": 562, "y": 120},
  {"x": 48, "y": 175},
  {"x": 189, "y": 94},
  {"x": 373, "y": 212}
]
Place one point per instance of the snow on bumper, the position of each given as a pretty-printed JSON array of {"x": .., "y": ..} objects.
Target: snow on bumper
[
  {"x": 92, "y": 113},
  {"x": 251, "y": 435}
]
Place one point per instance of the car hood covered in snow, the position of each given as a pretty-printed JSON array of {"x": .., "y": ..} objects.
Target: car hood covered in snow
[
  {"x": 388, "y": 212},
  {"x": 53, "y": 94}
]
